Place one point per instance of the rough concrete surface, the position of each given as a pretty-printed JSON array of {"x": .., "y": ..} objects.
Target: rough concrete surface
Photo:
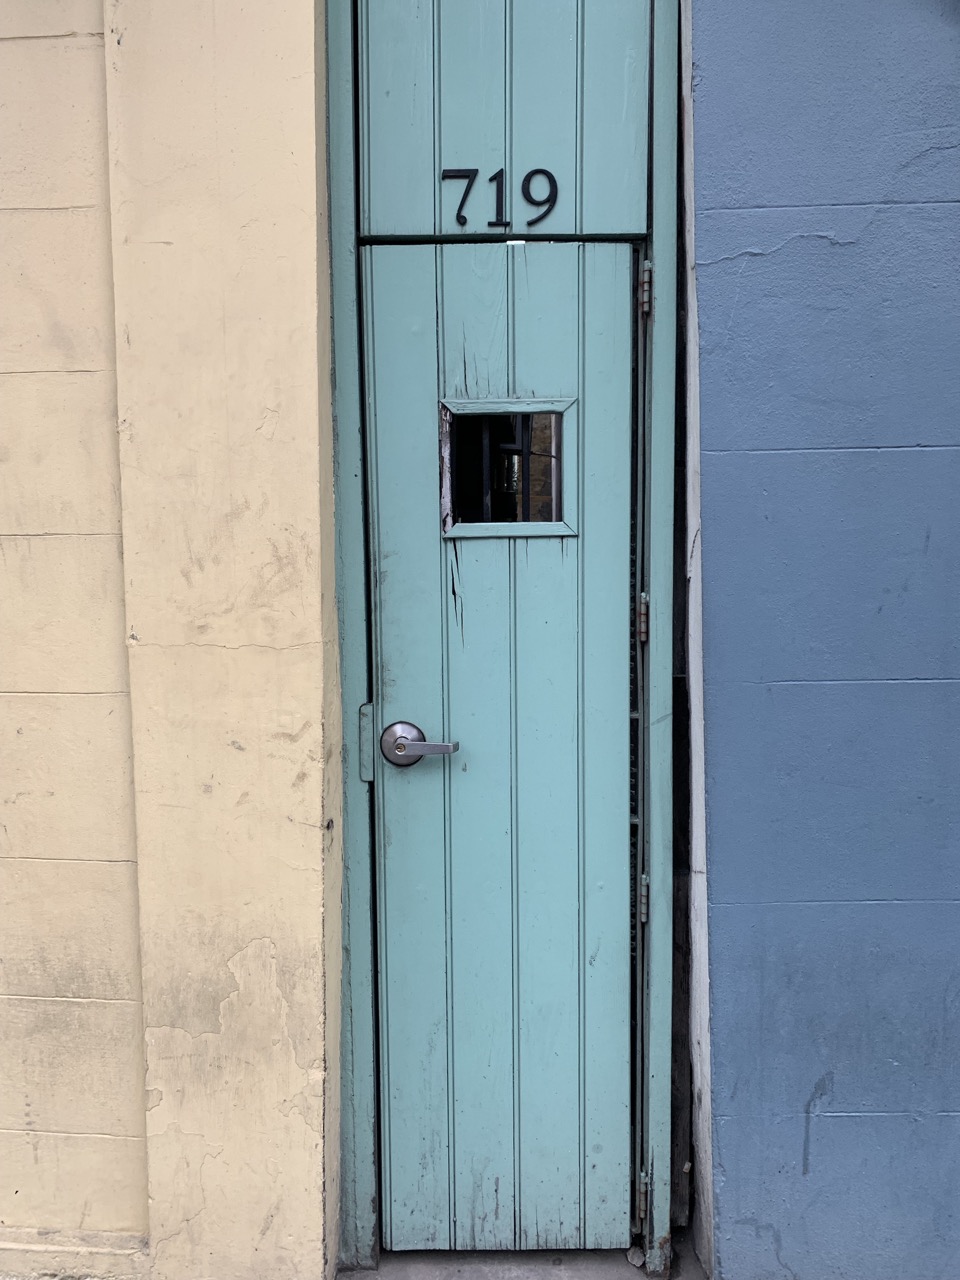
[{"x": 559, "y": 1265}]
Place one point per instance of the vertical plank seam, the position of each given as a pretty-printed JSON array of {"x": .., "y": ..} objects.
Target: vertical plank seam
[
  {"x": 364, "y": 140},
  {"x": 581, "y": 764},
  {"x": 441, "y": 355},
  {"x": 511, "y": 338},
  {"x": 436, "y": 71},
  {"x": 508, "y": 110},
  {"x": 511, "y": 316},
  {"x": 448, "y": 903},
  {"x": 515, "y": 900},
  {"x": 578, "y": 132}
]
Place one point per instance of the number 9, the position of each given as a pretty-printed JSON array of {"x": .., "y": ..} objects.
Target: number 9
[{"x": 548, "y": 203}]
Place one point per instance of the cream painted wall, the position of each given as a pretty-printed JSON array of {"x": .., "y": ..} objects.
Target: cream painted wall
[
  {"x": 162, "y": 192},
  {"x": 218, "y": 204},
  {"x": 72, "y": 1150}
]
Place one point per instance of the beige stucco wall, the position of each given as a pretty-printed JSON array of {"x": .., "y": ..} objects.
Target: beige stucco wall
[
  {"x": 72, "y": 1150},
  {"x": 166, "y": 511}
]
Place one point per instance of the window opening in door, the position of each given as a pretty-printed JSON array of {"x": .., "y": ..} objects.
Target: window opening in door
[{"x": 504, "y": 468}]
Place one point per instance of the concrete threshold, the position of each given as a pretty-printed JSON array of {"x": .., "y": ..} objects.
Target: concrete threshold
[{"x": 546, "y": 1265}]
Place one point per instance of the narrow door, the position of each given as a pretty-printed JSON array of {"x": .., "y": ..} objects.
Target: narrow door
[{"x": 499, "y": 398}]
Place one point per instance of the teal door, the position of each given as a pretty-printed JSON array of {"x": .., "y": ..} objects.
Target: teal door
[{"x": 499, "y": 399}]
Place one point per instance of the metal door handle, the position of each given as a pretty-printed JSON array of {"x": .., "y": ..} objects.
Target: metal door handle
[{"x": 404, "y": 744}]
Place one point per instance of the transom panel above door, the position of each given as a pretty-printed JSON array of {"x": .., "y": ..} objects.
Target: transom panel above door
[
  {"x": 499, "y": 424},
  {"x": 503, "y": 117}
]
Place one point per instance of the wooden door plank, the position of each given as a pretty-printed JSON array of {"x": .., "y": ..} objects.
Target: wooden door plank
[
  {"x": 544, "y": 334},
  {"x": 472, "y": 105},
  {"x": 402, "y": 413},
  {"x": 545, "y": 344},
  {"x": 615, "y": 76},
  {"x": 549, "y": 875},
  {"x": 480, "y": 639},
  {"x": 605, "y": 736},
  {"x": 398, "y": 173},
  {"x": 544, "y": 110},
  {"x": 472, "y": 297}
]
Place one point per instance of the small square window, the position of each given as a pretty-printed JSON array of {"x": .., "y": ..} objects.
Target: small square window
[{"x": 504, "y": 468}]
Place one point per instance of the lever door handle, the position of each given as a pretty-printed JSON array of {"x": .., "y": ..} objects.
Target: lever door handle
[
  {"x": 404, "y": 744},
  {"x": 411, "y": 747}
]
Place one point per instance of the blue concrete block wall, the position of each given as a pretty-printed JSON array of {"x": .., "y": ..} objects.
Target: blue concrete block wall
[{"x": 827, "y": 159}]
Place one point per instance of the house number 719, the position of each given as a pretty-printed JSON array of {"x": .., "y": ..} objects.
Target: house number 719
[{"x": 469, "y": 176}]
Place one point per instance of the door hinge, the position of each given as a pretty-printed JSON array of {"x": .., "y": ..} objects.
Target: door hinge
[
  {"x": 646, "y": 288},
  {"x": 643, "y": 1186},
  {"x": 643, "y": 618},
  {"x": 644, "y": 898}
]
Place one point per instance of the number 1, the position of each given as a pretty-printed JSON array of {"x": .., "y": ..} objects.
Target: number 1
[{"x": 498, "y": 219}]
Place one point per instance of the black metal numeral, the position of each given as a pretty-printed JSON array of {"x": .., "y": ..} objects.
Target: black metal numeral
[
  {"x": 498, "y": 218},
  {"x": 469, "y": 176},
  {"x": 548, "y": 204}
]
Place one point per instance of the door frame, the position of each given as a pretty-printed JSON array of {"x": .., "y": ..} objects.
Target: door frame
[{"x": 359, "y": 1222}]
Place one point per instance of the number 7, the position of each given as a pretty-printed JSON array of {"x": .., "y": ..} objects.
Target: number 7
[{"x": 469, "y": 176}]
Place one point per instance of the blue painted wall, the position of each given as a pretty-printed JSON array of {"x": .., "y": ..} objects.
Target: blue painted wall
[{"x": 828, "y": 244}]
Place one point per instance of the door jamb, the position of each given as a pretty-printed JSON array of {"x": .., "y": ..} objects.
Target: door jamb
[
  {"x": 658, "y": 749},
  {"x": 359, "y": 1235},
  {"x": 359, "y": 1242}
]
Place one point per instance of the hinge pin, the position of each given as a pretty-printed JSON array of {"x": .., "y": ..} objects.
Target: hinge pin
[
  {"x": 646, "y": 288},
  {"x": 643, "y": 618},
  {"x": 644, "y": 898},
  {"x": 642, "y": 1189}
]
